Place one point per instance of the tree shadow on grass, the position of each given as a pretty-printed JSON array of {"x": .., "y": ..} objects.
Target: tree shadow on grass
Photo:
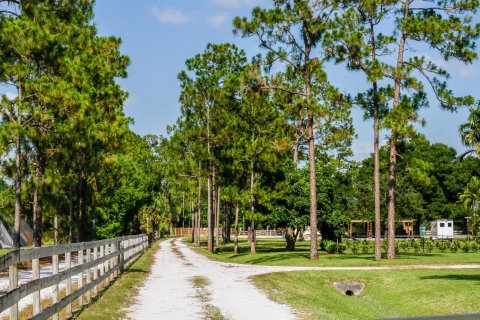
[
  {"x": 456, "y": 277},
  {"x": 135, "y": 270}
]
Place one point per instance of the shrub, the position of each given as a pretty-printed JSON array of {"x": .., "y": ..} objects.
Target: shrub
[
  {"x": 442, "y": 246},
  {"x": 454, "y": 246},
  {"x": 329, "y": 245},
  {"x": 429, "y": 245},
  {"x": 404, "y": 245},
  {"x": 355, "y": 247},
  {"x": 465, "y": 246},
  {"x": 365, "y": 246},
  {"x": 341, "y": 247},
  {"x": 473, "y": 246},
  {"x": 416, "y": 246}
]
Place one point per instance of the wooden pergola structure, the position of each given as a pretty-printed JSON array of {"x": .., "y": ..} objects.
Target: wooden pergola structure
[
  {"x": 368, "y": 223},
  {"x": 408, "y": 226}
]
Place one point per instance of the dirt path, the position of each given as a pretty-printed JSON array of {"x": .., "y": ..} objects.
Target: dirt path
[{"x": 186, "y": 285}]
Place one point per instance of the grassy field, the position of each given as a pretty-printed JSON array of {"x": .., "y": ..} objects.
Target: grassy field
[
  {"x": 114, "y": 300},
  {"x": 272, "y": 252},
  {"x": 3, "y": 251},
  {"x": 387, "y": 294}
]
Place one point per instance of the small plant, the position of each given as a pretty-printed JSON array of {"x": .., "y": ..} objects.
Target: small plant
[
  {"x": 442, "y": 246},
  {"x": 355, "y": 247},
  {"x": 429, "y": 246},
  {"x": 465, "y": 246},
  {"x": 365, "y": 246},
  {"x": 330, "y": 246},
  {"x": 341, "y": 247},
  {"x": 416, "y": 246},
  {"x": 473, "y": 246},
  {"x": 348, "y": 244},
  {"x": 404, "y": 245},
  {"x": 397, "y": 247},
  {"x": 454, "y": 246}
]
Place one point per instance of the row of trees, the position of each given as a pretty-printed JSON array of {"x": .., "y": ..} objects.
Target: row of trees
[
  {"x": 242, "y": 121},
  {"x": 70, "y": 164}
]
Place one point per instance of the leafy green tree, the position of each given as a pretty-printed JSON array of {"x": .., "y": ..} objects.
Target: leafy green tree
[
  {"x": 292, "y": 33},
  {"x": 202, "y": 97},
  {"x": 447, "y": 27},
  {"x": 470, "y": 199},
  {"x": 470, "y": 131}
]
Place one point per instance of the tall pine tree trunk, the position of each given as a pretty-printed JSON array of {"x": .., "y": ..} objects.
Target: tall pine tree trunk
[
  {"x": 209, "y": 213},
  {"x": 392, "y": 168},
  {"x": 70, "y": 214},
  {"x": 78, "y": 209},
  {"x": 193, "y": 223},
  {"x": 55, "y": 226},
  {"x": 235, "y": 243},
  {"x": 198, "y": 219},
  {"x": 18, "y": 175},
  {"x": 376, "y": 176},
  {"x": 376, "y": 152},
  {"x": 217, "y": 217},
  {"x": 313, "y": 189},
  {"x": 253, "y": 243},
  {"x": 18, "y": 192},
  {"x": 37, "y": 211}
]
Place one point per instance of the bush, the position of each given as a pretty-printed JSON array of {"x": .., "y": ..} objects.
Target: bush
[
  {"x": 415, "y": 244},
  {"x": 429, "y": 245},
  {"x": 473, "y": 246},
  {"x": 454, "y": 246},
  {"x": 330, "y": 246},
  {"x": 341, "y": 247},
  {"x": 465, "y": 246},
  {"x": 404, "y": 245},
  {"x": 355, "y": 246},
  {"x": 365, "y": 246},
  {"x": 442, "y": 246}
]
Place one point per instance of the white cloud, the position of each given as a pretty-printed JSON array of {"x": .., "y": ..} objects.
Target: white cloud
[
  {"x": 218, "y": 20},
  {"x": 169, "y": 16},
  {"x": 131, "y": 101},
  {"x": 364, "y": 148},
  {"x": 11, "y": 95},
  {"x": 454, "y": 67}
]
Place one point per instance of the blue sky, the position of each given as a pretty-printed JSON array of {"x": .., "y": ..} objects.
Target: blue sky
[{"x": 159, "y": 35}]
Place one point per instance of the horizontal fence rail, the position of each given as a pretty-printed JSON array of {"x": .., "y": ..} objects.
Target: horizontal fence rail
[
  {"x": 204, "y": 232},
  {"x": 97, "y": 263}
]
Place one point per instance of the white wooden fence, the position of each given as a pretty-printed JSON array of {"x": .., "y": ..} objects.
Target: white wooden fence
[{"x": 97, "y": 264}]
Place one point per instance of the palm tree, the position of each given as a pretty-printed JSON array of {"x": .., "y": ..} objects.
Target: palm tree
[
  {"x": 470, "y": 199},
  {"x": 470, "y": 131}
]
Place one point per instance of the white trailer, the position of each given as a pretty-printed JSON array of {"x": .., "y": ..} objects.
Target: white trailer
[{"x": 441, "y": 229}]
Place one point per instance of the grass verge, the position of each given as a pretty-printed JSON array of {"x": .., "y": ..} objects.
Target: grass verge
[
  {"x": 387, "y": 294},
  {"x": 112, "y": 303},
  {"x": 273, "y": 252}
]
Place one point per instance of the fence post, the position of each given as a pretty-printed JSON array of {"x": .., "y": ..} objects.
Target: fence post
[
  {"x": 112, "y": 260},
  {"x": 13, "y": 282},
  {"x": 36, "y": 294},
  {"x": 95, "y": 271},
  {"x": 102, "y": 266},
  {"x": 68, "y": 290},
  {"x": 89, "y": 258},
  {"x": 55, "y": 287},
  {"x": 80, "y": 277}
]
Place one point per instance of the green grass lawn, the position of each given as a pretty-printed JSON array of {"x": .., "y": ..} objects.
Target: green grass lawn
[
  {"x": 3, "y": 251},
  {"x": 272, "y": 252},
  {"x": 387, "y": 294},
  {"x": 112, "y": 302}
]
